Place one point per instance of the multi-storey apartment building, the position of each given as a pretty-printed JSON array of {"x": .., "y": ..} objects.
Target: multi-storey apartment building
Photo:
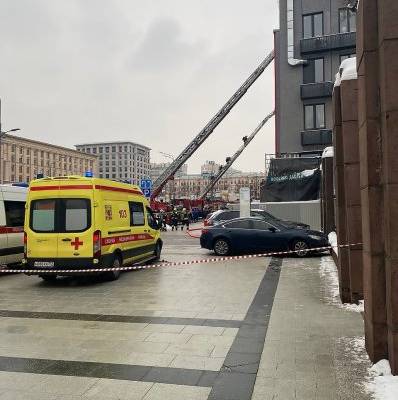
[
  {"x": 22, "y": 159},
  {"x": 315, "y": 36},
  {"x": 123, "y": 161}
]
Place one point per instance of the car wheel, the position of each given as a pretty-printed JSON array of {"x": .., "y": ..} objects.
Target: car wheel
[
  {"x": 300, "y": 247},
  {"x": 48, "y": 278},
  {"x": 158, "y": 251},
  {"x": 221, "y": 247},
  {"x": 114, "y": 275}
]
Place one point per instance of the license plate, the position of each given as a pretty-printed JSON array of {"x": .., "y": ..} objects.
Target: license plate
[{"x": 47, "y": 264}]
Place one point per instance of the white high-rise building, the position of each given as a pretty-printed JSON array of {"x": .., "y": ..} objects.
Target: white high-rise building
[{"x": 122, "y": 161}]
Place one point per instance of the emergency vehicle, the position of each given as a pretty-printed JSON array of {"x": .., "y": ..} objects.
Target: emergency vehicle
[
  {"x": 79, "y": 222},
  {"x": 12, "y": 214}
]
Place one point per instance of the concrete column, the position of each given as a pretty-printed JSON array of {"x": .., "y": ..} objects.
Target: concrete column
[
  {"x": 388, "y": 64},
  {"x": 341, "y": 217},
  {"x": 349, "y": 117},
  {"x": 370, "y": 150}
]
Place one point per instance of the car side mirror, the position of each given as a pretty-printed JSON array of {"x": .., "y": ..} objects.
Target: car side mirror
[{"x": 272, "y": 229}]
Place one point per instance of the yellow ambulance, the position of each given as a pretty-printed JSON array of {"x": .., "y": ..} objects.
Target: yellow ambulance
[{"x": 77, "y": 222}]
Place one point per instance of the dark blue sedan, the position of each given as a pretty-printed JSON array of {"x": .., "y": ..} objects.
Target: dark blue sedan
[{"x": 254, "y": 235}]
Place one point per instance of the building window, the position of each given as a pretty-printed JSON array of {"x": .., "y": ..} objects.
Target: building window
[
  {"x": 94, "y": 150},
  {"x": 312, "y": 25},
  {"x": 314, "y": 116},
  {"x": 346, "y": 56},
  {"x": 347, "y": 20},
  {"x": 314, "y": 71},
  {"x": 101, "y": 149},
  {"x": 107, "y": 149},
  {"x": 113, "y": 149}
]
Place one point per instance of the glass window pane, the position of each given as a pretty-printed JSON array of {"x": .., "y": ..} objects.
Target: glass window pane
[
  {"x": 318, "y": 24},
  {"x": 320, "y": 116},
  {"x": 353, "y": 22},
  {"x": 76, "y": 215},
  {"x": 137, "y": 216},
  {"x": 309, "y": 117},
  {"x": 319, "y": 76},
  {"x": 15, "y": 213},
  {"x": 43, "y": 215},
  {"x": 242, "y": 224},
  {"x": 261, "y": 225},
  {"x": 307, "y": 28},
  {"x": 343, "y": 20}
]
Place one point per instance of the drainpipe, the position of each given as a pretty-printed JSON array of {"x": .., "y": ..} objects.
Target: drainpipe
[{"x": 290, "y": 36}]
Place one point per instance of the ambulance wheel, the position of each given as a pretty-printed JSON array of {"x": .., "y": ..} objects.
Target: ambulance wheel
[
  {"x": 158, "y": 251},
  {"x": 114, "y": 275},
  {"x": 48, "y": 278}
]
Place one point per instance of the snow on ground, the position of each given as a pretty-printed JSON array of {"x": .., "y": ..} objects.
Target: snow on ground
[
  {"x": 333, "y": 242},
  {"x": 330, "y": 280},
  {"x": 382, "y": 384},
  {"x": 352, "y": 366}
]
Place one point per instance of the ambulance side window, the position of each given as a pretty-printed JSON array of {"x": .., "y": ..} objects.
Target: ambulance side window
[
  {"x": 152, "y": 222},
  {"x": 15, "y": 213},
  {"x": 137, "y": 216}
]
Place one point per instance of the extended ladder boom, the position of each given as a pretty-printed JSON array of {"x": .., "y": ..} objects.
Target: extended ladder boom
[
  {"x": 231, "y": 160},
  {"x": 209, "y": 128}
]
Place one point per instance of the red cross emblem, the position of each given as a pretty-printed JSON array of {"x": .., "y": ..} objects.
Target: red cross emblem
[{"x": 76, "y": 243}]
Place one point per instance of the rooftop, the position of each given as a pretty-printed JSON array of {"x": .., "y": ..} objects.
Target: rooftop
[
  {"x": 24, "y": 139},
  {"x": 113, "y": 143}
]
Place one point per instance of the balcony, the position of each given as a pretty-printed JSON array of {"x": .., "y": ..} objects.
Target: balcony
[
  {"x": 316, "y": 90},
  {"x": 337, "y": 41},
  {"x": 316, "y": 137}
]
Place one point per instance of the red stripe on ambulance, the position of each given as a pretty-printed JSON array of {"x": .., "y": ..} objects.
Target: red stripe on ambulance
[
  {"x": 126, "y": 238},
  {"x": 11, "y": 229},
  {"x": 60, "y": 187},
  {"x": 117, "y": 189}
]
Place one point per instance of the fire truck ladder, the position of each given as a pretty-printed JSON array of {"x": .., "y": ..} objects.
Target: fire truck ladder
[
  {"x": 230, "y": 160},
  {"x": 209, "y": 128}
]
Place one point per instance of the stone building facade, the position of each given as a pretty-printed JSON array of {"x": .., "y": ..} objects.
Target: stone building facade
[
  {"x": 122, "y": 161},
  {"x": 22, "y": 159}
]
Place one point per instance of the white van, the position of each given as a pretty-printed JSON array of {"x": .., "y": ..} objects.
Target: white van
[{"x": 12, "y": 214}]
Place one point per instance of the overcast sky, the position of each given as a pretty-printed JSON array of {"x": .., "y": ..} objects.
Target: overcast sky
[{"x": 152, "y": 72}]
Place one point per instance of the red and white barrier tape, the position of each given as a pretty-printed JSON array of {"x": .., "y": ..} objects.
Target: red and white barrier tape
[{"x": 167, "y": 264}]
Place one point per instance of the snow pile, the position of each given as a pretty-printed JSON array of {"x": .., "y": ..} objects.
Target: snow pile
[
  {"x": 347, "y": 71},
  {"x": 333, "y": 242},
  {"x": 337, "y": 81},
  {"x": 330, "y": 280},
  {"x": 328, "y": 152},
  {"x": 384, "y": 386}
]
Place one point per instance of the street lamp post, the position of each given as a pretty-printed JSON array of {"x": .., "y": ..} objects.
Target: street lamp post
[{"x": 1, "y": 135}]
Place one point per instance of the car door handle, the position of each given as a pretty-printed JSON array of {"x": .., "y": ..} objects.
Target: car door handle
[{"x": 66, "y": 240}]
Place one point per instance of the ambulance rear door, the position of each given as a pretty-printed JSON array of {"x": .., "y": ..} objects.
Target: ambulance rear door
[{"x": 76, "y": 222}]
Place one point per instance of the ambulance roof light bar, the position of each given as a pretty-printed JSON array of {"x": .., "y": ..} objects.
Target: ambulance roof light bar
[{"x": 194, "y": 145}]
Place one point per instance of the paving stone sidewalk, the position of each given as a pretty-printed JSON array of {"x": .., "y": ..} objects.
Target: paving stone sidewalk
[{"x": 314, "y": 346}]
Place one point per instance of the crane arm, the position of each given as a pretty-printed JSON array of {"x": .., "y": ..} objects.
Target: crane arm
[
  {"x": 194, "y": 145},
  {"x": 231, "y": 160}
]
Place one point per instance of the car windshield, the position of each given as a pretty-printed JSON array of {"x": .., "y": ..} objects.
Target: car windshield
[{"x": 265, "y": 214}]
